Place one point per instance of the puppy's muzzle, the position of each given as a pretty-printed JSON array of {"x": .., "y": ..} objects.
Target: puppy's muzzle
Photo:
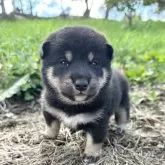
[{"x": 81, "y": 80}]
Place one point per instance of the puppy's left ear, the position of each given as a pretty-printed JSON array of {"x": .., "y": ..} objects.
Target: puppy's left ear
[
  {"x": 44, "y": 49},
  {"x": 110, "y": 51}
]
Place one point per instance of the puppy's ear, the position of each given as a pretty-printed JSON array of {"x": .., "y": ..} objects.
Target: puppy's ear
[
  {"x": 110, "y": 51},
  {"x": 44, "y": 49}
]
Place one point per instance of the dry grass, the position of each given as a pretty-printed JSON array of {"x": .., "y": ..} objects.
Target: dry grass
[{"x": 21, "y": 141}]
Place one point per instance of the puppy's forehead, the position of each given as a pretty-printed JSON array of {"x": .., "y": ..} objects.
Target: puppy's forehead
[{"x": 78, "y": 37}]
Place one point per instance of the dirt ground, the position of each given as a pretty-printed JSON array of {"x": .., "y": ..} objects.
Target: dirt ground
[{"x": 22, "y": 142}]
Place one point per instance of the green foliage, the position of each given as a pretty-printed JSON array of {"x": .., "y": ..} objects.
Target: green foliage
[
  {"x": 111, "y": 3},
  {"x": 149, "y": 2},
  {"x": 127, "y": 6},
  {"x": 123, "y": 5},
  {"x": 15, "y": 88},
  {"x": 161, "y": 3},
  {"x": 139, "y": 51}
]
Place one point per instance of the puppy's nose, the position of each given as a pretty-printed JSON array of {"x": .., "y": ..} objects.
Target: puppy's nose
[{"x": 81, "y": 84}]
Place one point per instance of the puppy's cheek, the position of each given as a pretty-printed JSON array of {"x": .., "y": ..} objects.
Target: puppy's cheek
[
  {"x": 92, "y": 91},
  {"x": 66, "y": 88},
  {"x": 103, "y": 79},
  {"x": 52, "y": 80},
  {"x": 93, "y": 87}
]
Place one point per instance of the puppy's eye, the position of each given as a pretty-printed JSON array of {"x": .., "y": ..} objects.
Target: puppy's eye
[
  {"x": 94, "y": 63},
  {"x": 64, "y": 62}
]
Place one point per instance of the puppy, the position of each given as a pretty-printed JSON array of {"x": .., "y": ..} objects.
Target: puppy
[{"x": 80, "y": 89}]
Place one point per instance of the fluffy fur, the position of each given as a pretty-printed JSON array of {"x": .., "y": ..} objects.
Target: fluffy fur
[{"x": 80, "y": 87}]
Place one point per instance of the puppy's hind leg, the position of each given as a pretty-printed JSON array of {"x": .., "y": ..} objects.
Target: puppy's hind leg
[
  {"x": 52, "y": 126},
  {"x": 121, "y": 119},
  {"x": 122, "y": 115}
]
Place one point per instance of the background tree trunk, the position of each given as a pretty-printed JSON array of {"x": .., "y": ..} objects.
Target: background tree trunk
[
  {"x": 130, "y": 18},
  {"x": 21, "y": 6},
  {"x": 107, "y": 13},
  {"x": 87, "y": 11},
  {"x": 31, "y": 7},
  {"x": 4, "y": 14}
]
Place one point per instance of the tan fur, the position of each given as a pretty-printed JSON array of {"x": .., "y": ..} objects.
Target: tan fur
[
  {"x": 73, "y": 121},
  {"x": 52, "y": 130},
  {"x": 68, "y": 55},
  {"x": 91, "y": 148},
  {"x": 103, "y": 79},
  {"x": 90, "y": 56},
  {"x": 54, "y": 82}
]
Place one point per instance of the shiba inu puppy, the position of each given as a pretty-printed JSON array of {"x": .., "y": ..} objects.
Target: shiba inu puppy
[{"x": 80, "y": 88}]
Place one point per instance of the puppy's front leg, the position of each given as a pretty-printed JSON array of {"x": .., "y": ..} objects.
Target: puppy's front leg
[
  {"x": 95, "y": 138},
  {"x": 93, "y": 150},
  {"x": 52, "y": 125}
]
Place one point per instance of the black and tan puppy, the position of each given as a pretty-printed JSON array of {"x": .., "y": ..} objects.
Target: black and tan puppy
[{"x": 81, "y": 89}]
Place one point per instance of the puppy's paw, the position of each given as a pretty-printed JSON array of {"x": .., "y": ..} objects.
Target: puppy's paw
[
  {"x": 120, "y": 129},
  {"x": 49, "y": 135},
  {"x": 90, "y": 160},
  {"x": 92, "y": 152}
]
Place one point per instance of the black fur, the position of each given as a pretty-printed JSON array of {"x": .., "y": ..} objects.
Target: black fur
[
  {"x": 110, "y": 98},
  {"x": 49, "y": 118}
]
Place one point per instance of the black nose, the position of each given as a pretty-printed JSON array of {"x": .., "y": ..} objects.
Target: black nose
[{"x": 81, "y": 84}]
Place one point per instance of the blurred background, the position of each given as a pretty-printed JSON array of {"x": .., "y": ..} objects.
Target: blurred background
[
  {"x": 135, "y": 28},
  {"x": 109, "y": 9}
]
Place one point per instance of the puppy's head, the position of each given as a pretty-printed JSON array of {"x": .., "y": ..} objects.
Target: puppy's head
[{"x": 76, "y": 64}]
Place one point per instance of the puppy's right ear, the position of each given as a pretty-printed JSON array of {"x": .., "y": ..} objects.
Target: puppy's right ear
[{"x": 44, "y": 49}]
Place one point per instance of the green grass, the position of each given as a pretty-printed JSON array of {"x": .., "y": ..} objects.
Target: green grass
[{"x": 139, "y": 50}]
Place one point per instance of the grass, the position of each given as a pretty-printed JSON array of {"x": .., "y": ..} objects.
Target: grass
[{"x": 139, "y": 50}]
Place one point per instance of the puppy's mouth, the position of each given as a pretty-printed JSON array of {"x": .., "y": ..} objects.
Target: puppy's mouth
[{"x": 78, "y": 96}]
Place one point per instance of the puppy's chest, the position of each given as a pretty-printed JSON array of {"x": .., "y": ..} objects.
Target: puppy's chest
[{"x": 74, "y": 121}]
